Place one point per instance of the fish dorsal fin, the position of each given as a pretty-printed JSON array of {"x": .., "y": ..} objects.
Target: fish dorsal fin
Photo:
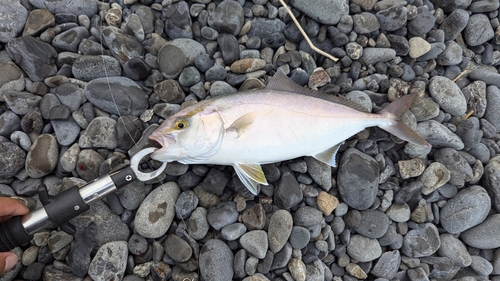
[
  {"x": 328, "y": 156},
  {"x": 251, "y": 175},
  {"x": 280, "y": 82}
]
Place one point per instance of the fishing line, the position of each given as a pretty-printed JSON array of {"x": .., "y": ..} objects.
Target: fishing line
[{"x": 102, "y": 15}]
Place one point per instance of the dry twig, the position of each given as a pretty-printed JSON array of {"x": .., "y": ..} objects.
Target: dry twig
[{"x": 305, "y": 35}]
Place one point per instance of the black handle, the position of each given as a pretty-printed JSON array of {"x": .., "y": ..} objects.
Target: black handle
[{"x": 13, "y": 234}]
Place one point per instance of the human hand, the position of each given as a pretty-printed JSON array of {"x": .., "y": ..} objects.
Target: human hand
[{"x": 9, "y": 207}]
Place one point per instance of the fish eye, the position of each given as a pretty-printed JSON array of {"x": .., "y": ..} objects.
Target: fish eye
[{"x": 181, "y": 124}]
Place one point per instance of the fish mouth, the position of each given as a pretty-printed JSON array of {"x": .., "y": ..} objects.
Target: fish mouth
[{"x": 165, "y": 140}]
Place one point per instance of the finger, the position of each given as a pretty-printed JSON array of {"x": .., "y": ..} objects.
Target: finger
[
  {"x": 11, "y": 207},
  {"x": 7, "y": 261}
]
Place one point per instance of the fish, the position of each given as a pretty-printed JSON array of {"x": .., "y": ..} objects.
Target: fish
[{"x": 283, "y": 121}]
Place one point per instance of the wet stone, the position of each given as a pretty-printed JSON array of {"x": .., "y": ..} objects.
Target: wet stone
[
  {"x": 438, "y": 135},
  {"x": 483, "y": 236},
  {"x": 393, "y": 18},
  {"x": 174, "y": 56},
  {"x": 369, "y": 223},
  {"x": 255, "y": 243},
  {"x": 178, "y": 249},
  {"x": 198, "y": 225},
  {"x": 460, "y": 170},
  {"x": 233, "y": 231},
  {"x": 178, "y": 23},
  {"x": 222, "y": 214},
  {"x": 454, "y": 249},
  {"x": 42, "y": 157},
  {"x": 448, "y": 95},
  {"x": 412, "y": 247},
  {"x": 324, "y": 11},
  {"x": 70, "y": 39},
  {"x": 156, "y": 212},
  {"x": 279, "y": 230},
  {"x": 100, "y": 133},
  {"x": 358, "y": 174},
  {"x": 478, "y": 22},
  {"x": 422, "y": 23},
  {"x": 216, "y": 261},
  {"x": 126, "y": 97},
  {"x": 110, "y": 261},
  {"x": 227, "y": 17},
  {"x": 363, "y": 249}
]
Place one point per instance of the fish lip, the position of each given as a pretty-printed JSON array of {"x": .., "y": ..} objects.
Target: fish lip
[{"x": 165, "y": 140}]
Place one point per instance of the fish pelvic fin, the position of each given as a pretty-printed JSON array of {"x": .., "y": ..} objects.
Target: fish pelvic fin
[
  {"x": 251, "y": 175},
  {"x": 394, "y": 111},
  {"x": 328, "y": 156}
]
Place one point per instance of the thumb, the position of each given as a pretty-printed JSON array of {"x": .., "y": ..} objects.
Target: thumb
[{"x": 7, "y": 261}]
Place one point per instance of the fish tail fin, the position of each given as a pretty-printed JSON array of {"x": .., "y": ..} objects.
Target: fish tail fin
[{"x": 394, "y": 111}]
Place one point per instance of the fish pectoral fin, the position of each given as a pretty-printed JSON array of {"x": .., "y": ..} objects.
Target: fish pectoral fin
[
  {"x": 250, "y": 175},
  {"x": 328, "y": 156},
  {"x": 243, "y": 122}
]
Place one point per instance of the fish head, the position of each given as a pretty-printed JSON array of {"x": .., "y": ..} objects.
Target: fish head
[{"x": 190, "y": 136}]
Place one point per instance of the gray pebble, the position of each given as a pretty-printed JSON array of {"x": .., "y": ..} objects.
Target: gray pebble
[
  {"x": 481, "y": 265},
  {"x": 70, "y": 39},
  {"x": 100, "y": 133},
  {"x": 255, "y": 243},
  {"x": 186, "y": 203},
  {"x": 475, "y": 93},
  {"x": 89, "y": 67},
  {"x": 222, "y": 214},
  {"x": 178, "y": 249},
  {"x": 288, "y": 192},
  {"x": 87, "y": 7},
  {"x": 177, "y": 54},
  {"x": 369, "y": 223},
  {"x": 454, "y": 249},
  {"x": 132, "y": 195},
  {"x": 492, "y": 180},
  {"x": 156, "y": 212},
  {"x": 279, "y": 230},
  {"x": 122, "y": 45},
  {"x": 452, "y": 55},
  {"x": 484, "y": 235},
  {"x": 460, "y": 170},
  {"x": 393, "y": 18},
  {"x": 137, "y": 244},
  {"x": 110, "y": 261},
  {"x": 365, "y": 23},
  {"x": 178, "y": 21},
  {"x": 374, "y": 55},
  {"x": 363, "y": 249},
  {"x": 448, "y": 95},
  {"x": 13, "y": 78},
  {"x": 422, "y": 23},
  {"x": 12, "y": 158},
  {"x": 399, "y": 212},
  {"x": 220, "y": 88},
  {"x": 33, "y": 56},
  {"x": 198, "y": 225},
  {"x": 492, "y": 113},
  {"x": 227, "y": 17},
  {"x": 324, "y": 11},
  {"x": 216, "y": 261},
  {"x": 467, "y": 209},
  {"x": 21, "y": 102},
  {"x": 454, "y": 23},
  {"x": 233, "y": 231},
  {"x": 438, "y": 135},
  {"x": 132, "y": 100},
  {"x": 478, "y": 30},
  {"x": 412, "y": 246},
  {"x": 42, "y": 157},
  {"x": 358, "y": 174},
  {"x": 12, "y": 19},
  {"x": 387, "y": 265},
  {"x": 9, "y": 122},
  {"x": 299, "y": 237}
]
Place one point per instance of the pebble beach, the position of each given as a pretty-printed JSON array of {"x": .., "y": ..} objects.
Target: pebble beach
[{"x": 84, "y": 83}]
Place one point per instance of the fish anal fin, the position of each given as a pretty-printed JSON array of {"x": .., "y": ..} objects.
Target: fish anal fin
[
  {"x": 280, "y": 82},
  {"x": 251, "y": 175},
  {"x": 243, "y": 122},
  {"x": 328, "y": 156}
]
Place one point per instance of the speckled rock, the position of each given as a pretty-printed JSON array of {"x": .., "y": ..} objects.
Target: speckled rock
[
  {"x": 42, "y": 157},
  {"x": 216, "y": 261}
]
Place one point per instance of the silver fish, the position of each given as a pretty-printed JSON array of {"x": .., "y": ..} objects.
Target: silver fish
[{"x": 281, "y": 122}]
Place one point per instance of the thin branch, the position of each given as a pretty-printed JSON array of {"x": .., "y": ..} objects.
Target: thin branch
[{"x": 305, "y": 35}]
